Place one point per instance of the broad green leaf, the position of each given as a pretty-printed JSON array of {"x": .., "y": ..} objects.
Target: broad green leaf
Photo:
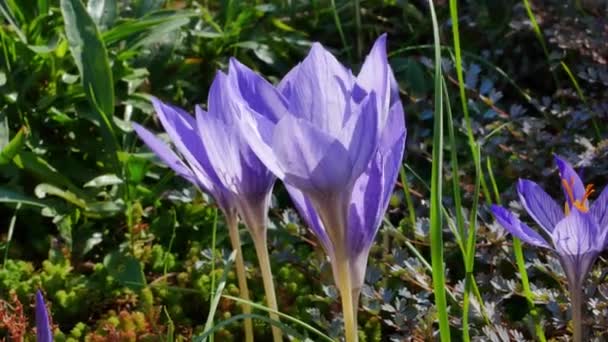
[
  {"x": 91, "y": 58},
  {"x": 103, "y": 12},
  {"x": 126, "y": 269},
  {"x": 11, "y": 196},
  {"x": 10, "y": 150},
  {"x": 44, "y": 171}
]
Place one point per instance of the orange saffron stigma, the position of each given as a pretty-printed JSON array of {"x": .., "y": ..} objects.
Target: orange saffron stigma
[{"x": 579, "y": 204}]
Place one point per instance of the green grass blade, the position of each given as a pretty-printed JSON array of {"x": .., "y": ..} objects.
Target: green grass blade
[
  {"x": 408, "y": 198},
  {"x": 285, "y": 328},
  {"x": 436, "y": 230},
  {"x": 338, "y": 23},
  {"x": 282, "y": 315},
  {"x": 218, "y": 295},
  {"x": 521, "y": 267}
]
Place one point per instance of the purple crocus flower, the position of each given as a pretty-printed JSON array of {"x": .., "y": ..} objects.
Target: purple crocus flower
[
  {"x": 335, "y": 141},
  {"x": 43, "y": 326},
  {"x": 577, "y": 233},
  {"x": 214, "y": 156}
]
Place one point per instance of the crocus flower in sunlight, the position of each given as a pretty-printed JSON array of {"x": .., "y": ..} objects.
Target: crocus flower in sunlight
[
  {"x": 320, "y": 132},
  {"x": 577, "y": 233},
  {"x": 216, "y": 158},
  {"x": 43, "y": 325}
]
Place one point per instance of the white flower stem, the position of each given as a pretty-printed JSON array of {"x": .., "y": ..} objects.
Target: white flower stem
[
  {"x": 349, "y": 308},
  {"x": 235, "y": 240},
  {"x": 576, "y": 301},
  {"x": 261, "y": 249}
]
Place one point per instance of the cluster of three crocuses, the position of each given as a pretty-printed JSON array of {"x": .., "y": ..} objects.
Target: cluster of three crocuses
[{"x": 335, "y": 140}]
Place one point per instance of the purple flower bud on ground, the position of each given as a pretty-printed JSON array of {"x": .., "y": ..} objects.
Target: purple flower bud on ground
[{"x": 43, "y": 326}]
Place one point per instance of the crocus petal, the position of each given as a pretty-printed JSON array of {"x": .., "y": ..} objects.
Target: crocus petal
[
  {"x": 374, "y": 75},
  {"x": 260, "y": 95},
  {"x": 221, "y": 149},
  {"x": 542, "y": 207},
  {"x": 165, "y": 153},
  {"x": 567, "y": 173},
  {"x": 599, "y": 209},
  {"x": 519, "y": 229},
  {"x": 43, "y": 326},
  {"x": 181, "y": 128},
  {"x": 577, "y": 243},
  {"x": 309, "y": 215},
  {"x": 360, "y": 135},
  {"x": 258, "y": 131},
  {"x": 319, "y": 90},
  {"x": 312, "y": 160}
]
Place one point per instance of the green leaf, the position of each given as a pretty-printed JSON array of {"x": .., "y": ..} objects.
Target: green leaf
[
  {"x": 103, "y": 12},
  {"x": 91, "y": 58},
  {"x": 11, "y": 196},
  {"x": 42, "y": 190},
  {"x": 10, "y": 150},
  {"x": 44, "y": 171},
  {"x": 103, "y": 180},
  {"x": 128, "y": 29},
  {"x": 126, "y": 269}
]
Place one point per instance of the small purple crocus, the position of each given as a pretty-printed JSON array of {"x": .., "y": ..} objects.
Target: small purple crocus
[
  {"x": 335, "y": 140},
  {"x": 577, "y": 233},
  {"x": 214, "y": 156},
  {"x": 43, "y": 326}
]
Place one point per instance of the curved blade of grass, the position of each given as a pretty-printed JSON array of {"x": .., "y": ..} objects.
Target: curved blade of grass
[
  {"x": 408, "y": 197},
  {"x": 581, "y": 95},
  {"x": 436, "y": 230},
  {"x": 9, "y": 236},
  {"x": 285, "y": 328},
  {"x": 539, "y": 35},
  {"x": 282, "y": 315},
  {"x": 334, "y": 10},
  {"x": 218, "y": 295}
]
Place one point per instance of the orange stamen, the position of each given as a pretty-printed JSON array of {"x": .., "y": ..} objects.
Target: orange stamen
[
  {"x": 579, "y": 204},
  {"x": 568, "y": 190}
]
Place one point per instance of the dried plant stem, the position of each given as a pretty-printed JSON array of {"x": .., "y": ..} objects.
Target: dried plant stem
[
  {"x": 261, "y": 249},
  {"x": 235, "y": 240}
]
